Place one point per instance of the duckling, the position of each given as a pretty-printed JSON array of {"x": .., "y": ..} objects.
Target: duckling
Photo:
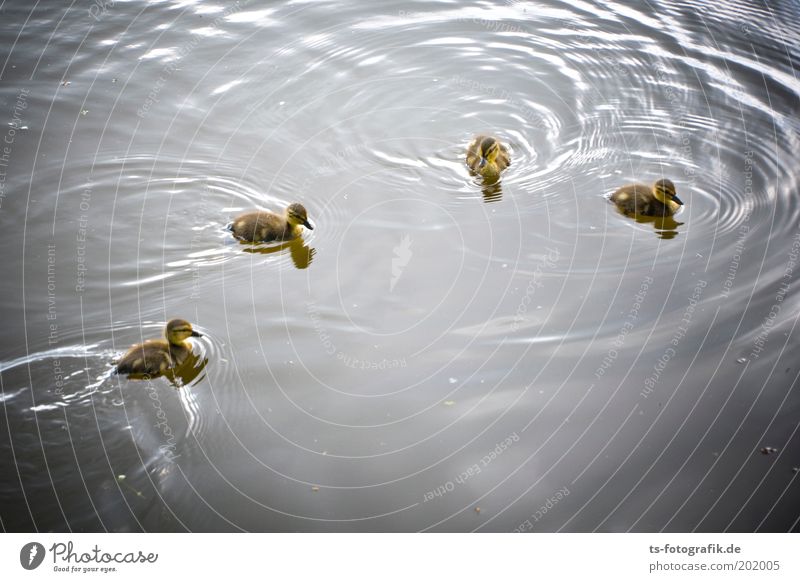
[
  {"x": 642, "y": 200},
  {"x": 154, "y": 357},
  {"x": 487, "y": 156},
  {"x": 265, "y": 226}
]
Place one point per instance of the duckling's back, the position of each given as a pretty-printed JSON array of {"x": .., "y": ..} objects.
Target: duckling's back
[
  {"x": 638, "y": 199},
  {"x": 152, "y": 357},
  {"x": 260, "y": 226}
]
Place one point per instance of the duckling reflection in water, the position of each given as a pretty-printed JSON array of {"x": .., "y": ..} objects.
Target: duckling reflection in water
[
  {"x": 301, "y": 253},
  {"x": 637, "y": 200},
  {"x": 156, "y": 357},
  {"x": 187, "y": 373},
  {"x": 266, "y": 226},
  {"x": 487, "y": 157},
  {"x": 492, "y": 192},
  {"x": 666, "y": 227}
]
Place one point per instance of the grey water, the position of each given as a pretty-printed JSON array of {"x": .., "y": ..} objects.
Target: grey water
[{"x": 437, "y": 354}]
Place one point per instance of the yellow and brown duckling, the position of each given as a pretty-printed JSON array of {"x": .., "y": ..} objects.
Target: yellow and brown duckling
[
  {"x": 642, "y": 200},
  {"x": 156, "y": 356},
  {"x": 487, "y": 157},
  {"x": 266, "y": 226}
]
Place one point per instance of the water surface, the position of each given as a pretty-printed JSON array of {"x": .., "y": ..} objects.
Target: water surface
[{"x": 435, "y": 355}]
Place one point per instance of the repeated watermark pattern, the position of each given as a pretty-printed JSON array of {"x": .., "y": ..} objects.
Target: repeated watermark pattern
[
  {"x": 81, "y": 268},
  {"x": 683, "y": 154},
  {"x": 670, "y": 352},
  {"x": 10, "y": 136},
  {"x": 366, "y": 364},
  {"x": 100, "y": 8},
  {"x": 52, "y": 313},
  {"x": 547, "y": 262},
  {"x": 733, "y": 267},
  {"x": 491, "y": 25},
  {"x": 761, "y": 338},
  {"x": 182, "y": 52},
  {"x": 472, "y": 470},
  {"x": 346, "y": 359},
  {"x": 548, "y": 505},
  {"x": 744, "y": 228},
  {"x": 630, "y": 321},
  {"x": 201, "y": 211},
  {"x": 169, "y": 447},
  {"x": 533, "y": 117},
  {"x": 539, "y": 272}
]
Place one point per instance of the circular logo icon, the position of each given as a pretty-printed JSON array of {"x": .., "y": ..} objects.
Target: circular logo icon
[{"x": 31, "y": 555}]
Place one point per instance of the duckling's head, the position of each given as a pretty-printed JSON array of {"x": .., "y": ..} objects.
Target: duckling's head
[
  {"x": 296, "y": 214},
  {"x": 664, "y": 190},
  {"x": 490, "y": 148},
  {"x": 178, "y": 330}
]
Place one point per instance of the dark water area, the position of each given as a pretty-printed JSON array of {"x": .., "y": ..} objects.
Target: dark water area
[{"x": 436, "y": 355}]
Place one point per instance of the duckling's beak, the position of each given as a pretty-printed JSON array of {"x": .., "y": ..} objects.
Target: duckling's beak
[
  {"x": 196, "y": 334},
  {"x": 482, "y": 163},
  {"x": 678, "y": 200},
  {"x": 308, "y": 225}
]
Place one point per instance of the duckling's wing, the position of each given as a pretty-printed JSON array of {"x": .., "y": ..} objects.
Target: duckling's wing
[
  {"x": 503, "y": 158},
  {"x": 474, "y": 152},
  {"x": 632, "y": 191},
  {"x": 244, "y": 225},
  {"x": 272, "y": 227},
  {"x": 151, "y": 357},
  {"x": 247, "y": 226},
  {"x": 635, "y": 199},
  {"x": 125, "y": 363},
  {"x": 625, "y": 198},
  {"x": 474, "y": 147}
]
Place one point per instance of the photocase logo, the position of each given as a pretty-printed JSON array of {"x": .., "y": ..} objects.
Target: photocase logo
[
  {"x": 402, "y": 254},
  {"x": 31, "y": 555}
]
